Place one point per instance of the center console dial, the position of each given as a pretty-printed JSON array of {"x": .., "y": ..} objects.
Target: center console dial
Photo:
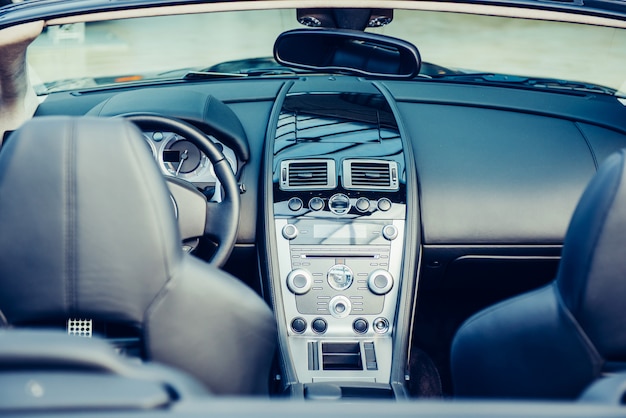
[
  {"x": 340, "y": 277},
  {"x": 363, "y": 204},
  {"x": 380, "y": 282},
  {"x": 340, "y": 306},
  {"x": 299, "y": 281},
  {"x": 290, "y": 231},
  {"x": 339, "y": 204},
  {"x": 316, "y": 203}
]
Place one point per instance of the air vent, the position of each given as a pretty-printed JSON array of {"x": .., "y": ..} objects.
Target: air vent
[
  {"x": 370, "y": 175},
  {"x": 316, "y": 174}
]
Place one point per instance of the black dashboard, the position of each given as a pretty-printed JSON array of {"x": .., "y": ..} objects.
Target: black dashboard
[
  {"x": 383, "y": 213},
  {"x": 516, "y": 146}
]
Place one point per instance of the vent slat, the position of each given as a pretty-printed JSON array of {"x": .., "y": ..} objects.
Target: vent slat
[
  {"x": 309, "y": 174},
  {"x": 366, "y": 174},
  {"x": 370, "y": 173}
]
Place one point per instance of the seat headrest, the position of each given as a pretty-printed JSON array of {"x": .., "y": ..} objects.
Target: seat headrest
[
  {"x": 591, "y": 277},
  {"x": 82, "y": 198}
]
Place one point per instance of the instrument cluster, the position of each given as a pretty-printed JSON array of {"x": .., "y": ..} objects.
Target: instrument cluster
[{"x": 179, "y": 157}]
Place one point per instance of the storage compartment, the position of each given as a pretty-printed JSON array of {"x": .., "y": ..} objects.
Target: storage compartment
[
  {"x": 341, "y": 356},
  {"x": 347, "y": 391}
]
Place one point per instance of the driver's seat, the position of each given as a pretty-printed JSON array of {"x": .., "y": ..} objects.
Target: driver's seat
[{"x": 88, "y": 232}]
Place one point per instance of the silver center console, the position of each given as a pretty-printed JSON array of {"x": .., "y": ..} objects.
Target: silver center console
[
  {"x": 339, "y": 215},
  {"x": 339, "y": 285}
]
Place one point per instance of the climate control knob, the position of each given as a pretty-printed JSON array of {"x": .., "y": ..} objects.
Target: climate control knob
[
  {"x": 299, "y": 281},
  {"x": 380, "y": 282},
  {"x": 316, "y": 204},
  {"x": 295, "y": 204},
  {"x": 362, "y": 204}
]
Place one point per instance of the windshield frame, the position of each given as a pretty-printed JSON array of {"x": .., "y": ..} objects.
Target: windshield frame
[{"x": 58, "y": 12}]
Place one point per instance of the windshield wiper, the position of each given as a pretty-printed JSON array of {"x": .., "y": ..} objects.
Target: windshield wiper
[
  {"x": 535, "y": 82},
  {"x": 252, "y": 72},
  {"x": 195, "y": 75}
]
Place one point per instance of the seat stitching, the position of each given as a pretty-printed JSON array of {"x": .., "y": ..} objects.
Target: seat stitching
[
  {"x": 590, "y": 258},
  {"x": 70, "y": 220},
  {"x": 579, "y": 332}
]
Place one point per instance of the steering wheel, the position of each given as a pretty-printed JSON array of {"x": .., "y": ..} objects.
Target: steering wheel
[{"x": 198, "y": 217}]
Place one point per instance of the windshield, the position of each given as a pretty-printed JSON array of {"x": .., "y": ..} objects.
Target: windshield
[{"x": 100, "y": 53}]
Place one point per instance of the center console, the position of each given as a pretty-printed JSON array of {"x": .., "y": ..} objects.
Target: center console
[{"x": 339, "y": 211}]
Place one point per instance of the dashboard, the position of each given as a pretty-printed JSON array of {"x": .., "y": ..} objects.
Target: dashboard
[{"x": 378, "y": 215}]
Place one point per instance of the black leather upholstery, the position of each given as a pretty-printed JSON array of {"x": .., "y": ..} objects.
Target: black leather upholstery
[
  {"x": 48, "y": 352},
  {"x": 88, "y": 230},
  {"x": 555, "y": 341}
]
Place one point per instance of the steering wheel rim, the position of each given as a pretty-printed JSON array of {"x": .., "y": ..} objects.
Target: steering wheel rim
[{"x": 221, "y": 218}]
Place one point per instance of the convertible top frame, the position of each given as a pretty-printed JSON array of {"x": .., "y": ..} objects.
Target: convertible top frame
[{"x": 58, "y": 14}]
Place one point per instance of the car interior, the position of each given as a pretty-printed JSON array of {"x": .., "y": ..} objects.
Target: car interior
[{"x": 342, "y": 234}]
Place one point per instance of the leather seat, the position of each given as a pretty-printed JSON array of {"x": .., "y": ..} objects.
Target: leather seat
[
  {"x": 555, "y": 341},
  {"x": 43, "y": 370},
  {"x": 89, "y": 232}
]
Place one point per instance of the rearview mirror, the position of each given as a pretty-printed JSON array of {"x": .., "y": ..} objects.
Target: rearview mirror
[{"x": 340, "y": 50}]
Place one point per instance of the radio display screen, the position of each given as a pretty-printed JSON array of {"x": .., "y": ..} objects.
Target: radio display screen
[{"x": 321, "y": 231}]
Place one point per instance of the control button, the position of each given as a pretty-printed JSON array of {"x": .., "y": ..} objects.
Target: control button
[
  {"x": 316, "y": 204},
  {"x": 362, "y": 204},
  {"x": 298, "y": 325},
  {"x": 384, "y": 204},
  {"x": 340, "y": 277},
  {"x": 339, "y": 306},
  {"x": 299, "y": 281},
  {"x": 290, "y": 231},
  {"x": 319, "y": 325},
  {"x": 380, "y": 282},
  {"x": 295, "y": 204},
  {"x": 390, "y": 232},
  {"x": 381, "y": 325},
  {"x": 158, "y": 136},
  {"x": 339, "y": 204},
  {"x": 360, "y": 326},
  {"x": 370, "y": 355}
]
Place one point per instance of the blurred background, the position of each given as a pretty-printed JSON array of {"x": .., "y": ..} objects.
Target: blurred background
[{"x": 479, "y": 43}]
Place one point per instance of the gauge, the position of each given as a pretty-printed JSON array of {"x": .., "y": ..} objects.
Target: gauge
[{"x": 182, "y": 158}]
